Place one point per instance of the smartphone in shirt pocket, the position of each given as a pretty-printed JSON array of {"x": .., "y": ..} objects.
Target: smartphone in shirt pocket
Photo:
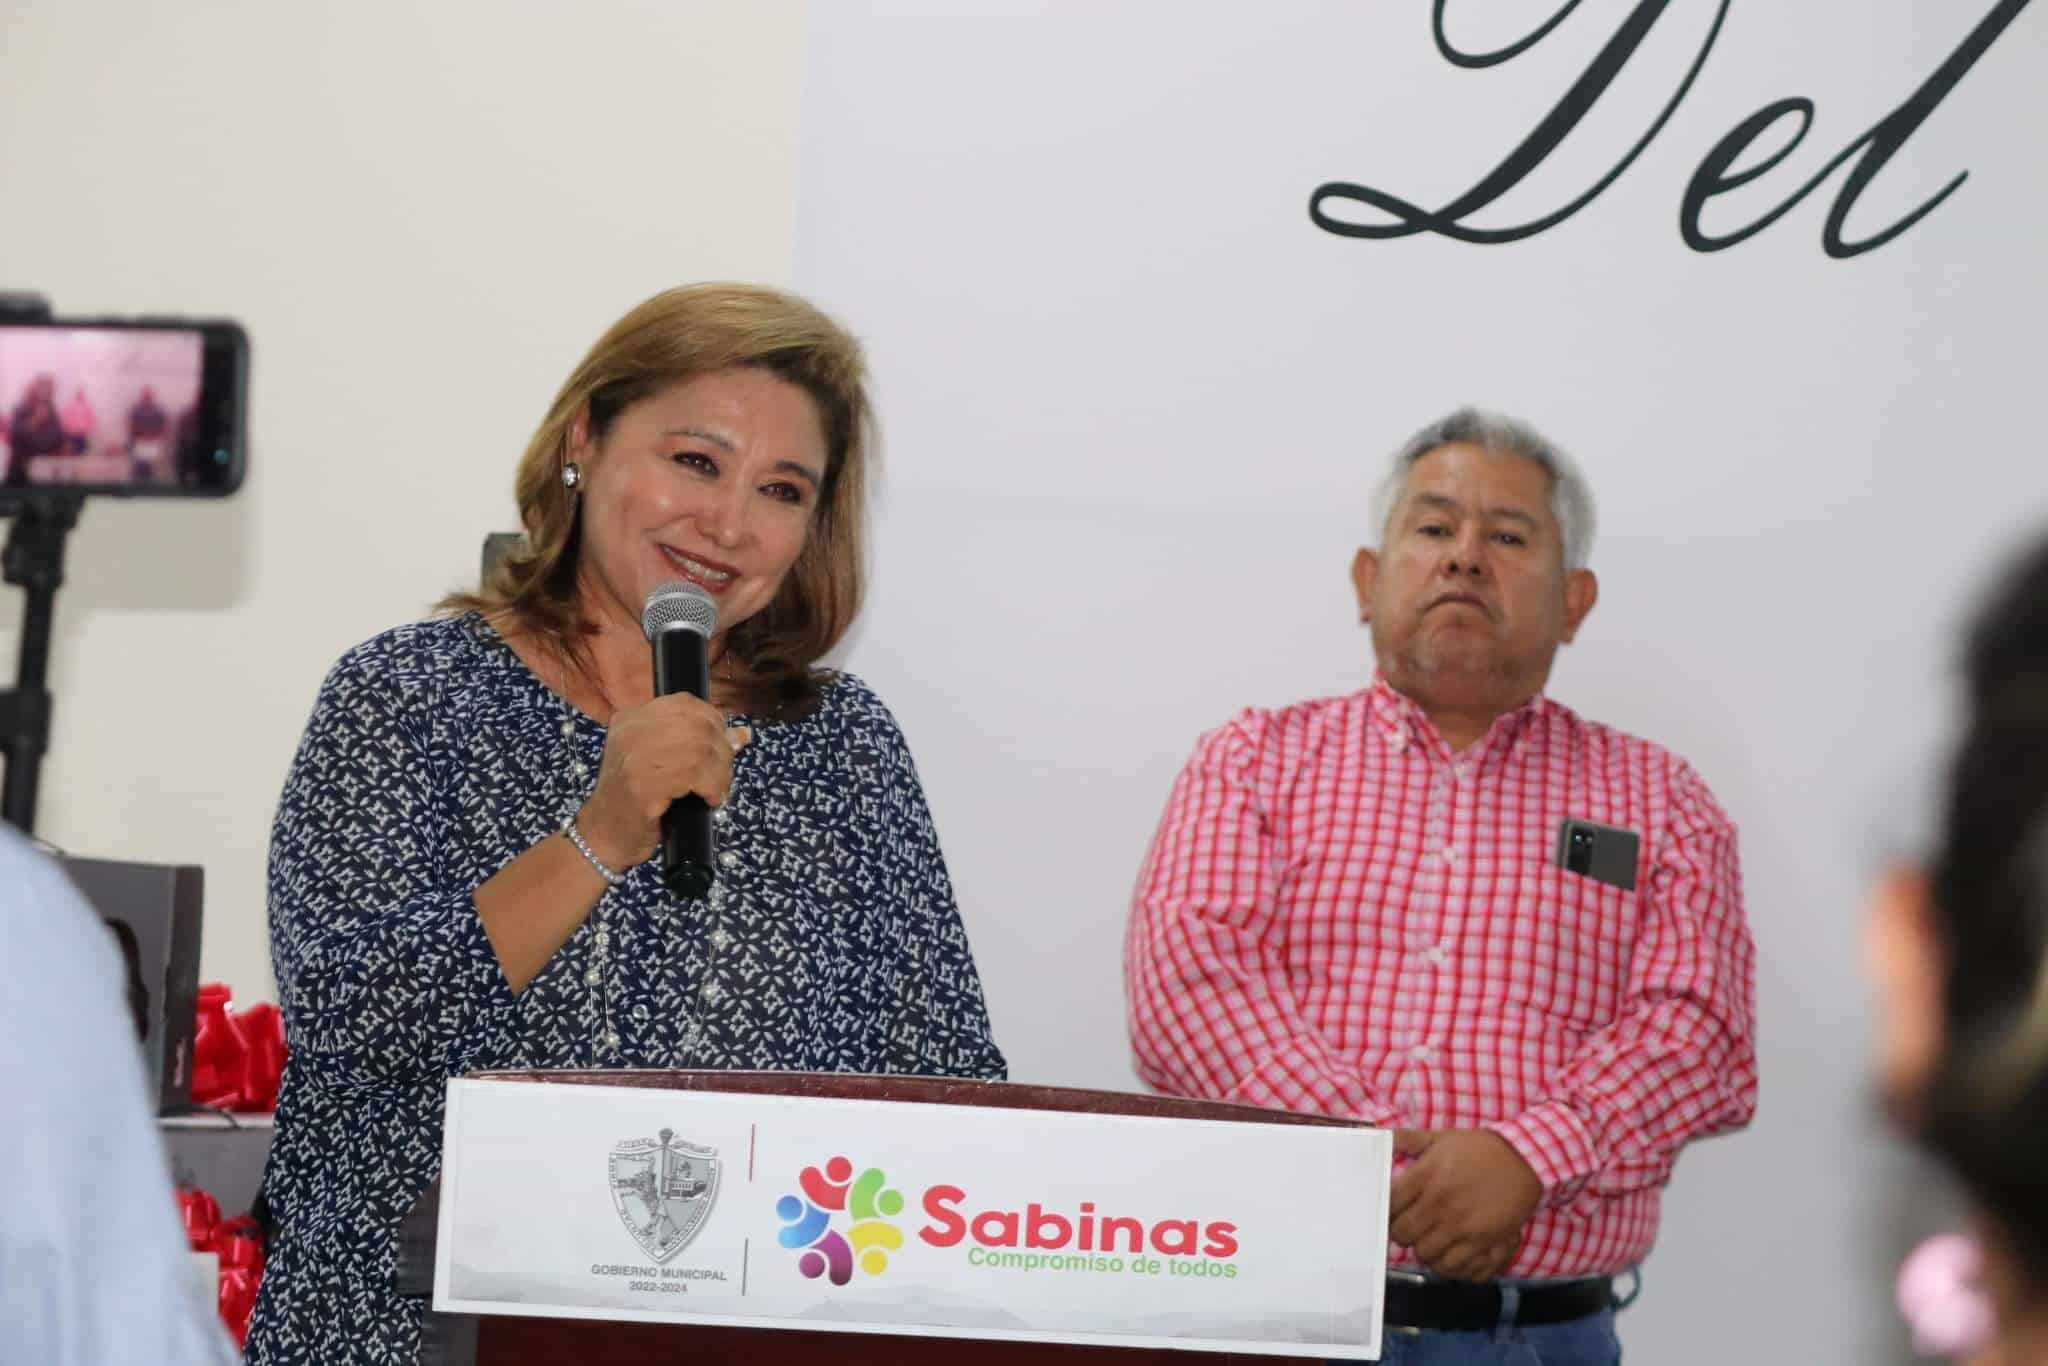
[{"x": 1605, "y": 853}]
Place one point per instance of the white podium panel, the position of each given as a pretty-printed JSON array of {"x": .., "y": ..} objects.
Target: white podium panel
[{"x": 606, "y": 1202}]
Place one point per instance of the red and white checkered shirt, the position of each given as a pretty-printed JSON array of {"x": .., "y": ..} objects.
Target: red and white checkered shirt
[{"x": 1340, "y": 916}]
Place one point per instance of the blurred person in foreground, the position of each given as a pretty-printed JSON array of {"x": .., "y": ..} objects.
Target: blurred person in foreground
[
  {"x": 94, "y": 1268},
  {"x": 461, "y": 875},
  {"x": 1958, "y": 946},
  {"x": 1356, "y": 907}
]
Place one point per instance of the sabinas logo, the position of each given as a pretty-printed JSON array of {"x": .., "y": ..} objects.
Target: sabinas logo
[
  {"x": 1045, "y": 1230},
  {"x": 867, "y": 1204},
  {"x": 1034, "y": 1238}
]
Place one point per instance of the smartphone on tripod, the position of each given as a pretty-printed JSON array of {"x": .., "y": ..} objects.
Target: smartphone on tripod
[
  {"x": 122, "y": 407},
  {"x": 94, "y": 407}
]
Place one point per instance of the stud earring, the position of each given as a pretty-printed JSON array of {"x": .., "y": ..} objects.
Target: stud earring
[{"x": 572, "y": 476}]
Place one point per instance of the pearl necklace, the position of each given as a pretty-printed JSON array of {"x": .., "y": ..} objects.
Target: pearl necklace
[{"x": 597, "y": 976}]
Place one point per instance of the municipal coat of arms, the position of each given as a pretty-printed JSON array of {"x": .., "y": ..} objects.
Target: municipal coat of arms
[{"x": 663, "y": 1190}]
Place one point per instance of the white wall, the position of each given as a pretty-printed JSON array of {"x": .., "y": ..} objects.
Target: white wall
[
  {"x": 1136, "y": 402},
  {"x": 423, "y": 214}
]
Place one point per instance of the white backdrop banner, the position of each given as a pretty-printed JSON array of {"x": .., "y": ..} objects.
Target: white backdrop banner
[{"x": 1153, "y": 289}]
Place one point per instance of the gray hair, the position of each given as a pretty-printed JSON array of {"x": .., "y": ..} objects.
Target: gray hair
[{"x": 1571, "y": 498}]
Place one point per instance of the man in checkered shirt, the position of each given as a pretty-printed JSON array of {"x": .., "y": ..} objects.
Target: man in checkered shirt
[{"x": 1363, "y": 906}]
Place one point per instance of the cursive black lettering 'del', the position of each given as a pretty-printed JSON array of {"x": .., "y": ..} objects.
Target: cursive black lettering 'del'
[{"x": 1716, "y": 173}]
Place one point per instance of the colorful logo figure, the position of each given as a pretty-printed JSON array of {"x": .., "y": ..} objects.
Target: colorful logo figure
[{"x": 865, "y": 1200}]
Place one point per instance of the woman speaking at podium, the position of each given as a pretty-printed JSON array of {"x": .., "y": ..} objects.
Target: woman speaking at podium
[{"x": 462, "y": 872}]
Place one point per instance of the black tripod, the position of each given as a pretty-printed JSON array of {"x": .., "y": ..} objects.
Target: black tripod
[{"x": 34, "y": 560}]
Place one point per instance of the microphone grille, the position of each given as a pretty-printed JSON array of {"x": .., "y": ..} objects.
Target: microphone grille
[{"x": 679, "y": 606}]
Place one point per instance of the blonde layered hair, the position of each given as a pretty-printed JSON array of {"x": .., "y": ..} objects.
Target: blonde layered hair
[{"x": 770, "y": 659}]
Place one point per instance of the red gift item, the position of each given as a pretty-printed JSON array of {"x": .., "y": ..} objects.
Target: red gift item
[
  {"x": 263, "y": 1039},
  {"x": 241, "y": 1269},
  {"x": 237, "y": 1056},
  {"x": 236, "y": 1245},
  {"x": 200, "y": 1213}
]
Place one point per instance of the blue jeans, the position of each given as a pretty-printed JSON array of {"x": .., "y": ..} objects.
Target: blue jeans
[{"x": 1589, "y": 1341}]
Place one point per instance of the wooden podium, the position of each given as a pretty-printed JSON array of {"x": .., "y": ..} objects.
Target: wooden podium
[{"x": 453, "y": 1340}]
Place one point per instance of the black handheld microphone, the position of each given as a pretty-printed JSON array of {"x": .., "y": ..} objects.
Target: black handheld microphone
[{"x": 679, "y": 618}]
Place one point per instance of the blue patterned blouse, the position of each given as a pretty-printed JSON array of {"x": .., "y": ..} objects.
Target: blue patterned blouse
[{"x": 829, "y": 943}]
